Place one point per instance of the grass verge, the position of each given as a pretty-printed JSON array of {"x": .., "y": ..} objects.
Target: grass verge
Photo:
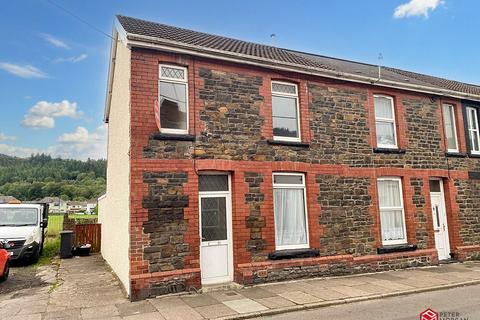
[{"x": 51, "y": 248}]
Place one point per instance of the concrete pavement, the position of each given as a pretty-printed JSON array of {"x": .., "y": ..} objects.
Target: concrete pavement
[{"x": 84, "y": 289}]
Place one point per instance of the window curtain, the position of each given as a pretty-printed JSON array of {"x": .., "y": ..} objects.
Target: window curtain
[
  {"x": 290, "y": 224},
  {"x": 389, "y": 193},
  {"x": 392, "y": 225},
  {"x": 391, "y": 213}
]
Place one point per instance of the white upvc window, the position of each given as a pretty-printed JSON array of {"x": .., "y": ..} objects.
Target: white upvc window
[
  {"x": 290, "y": 210},
  {"x": 392, "y": 213},
  {"x": 285, "y": 111},
  {"x": 173, "y": 99},
  {"x": 473, "y": 130},
  {"x": 450, "y": 127},
  {"x": 385, "y": 122}
]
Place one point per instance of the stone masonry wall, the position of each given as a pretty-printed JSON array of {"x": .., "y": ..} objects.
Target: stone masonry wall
[
  {"x": 166, "y": 224},
  {"x": 346, "y": 216},
  {"x": 421, "y": 222},
  {"x": 340, "y": 133},
  {"x": 255, "y": 221},
  {"x": 468, "y": 200}
]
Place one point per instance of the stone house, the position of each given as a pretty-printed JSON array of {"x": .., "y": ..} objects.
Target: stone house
[{"x": 271, "y": 164}]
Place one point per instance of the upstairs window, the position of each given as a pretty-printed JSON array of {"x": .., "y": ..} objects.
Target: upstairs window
[
  {"x": 450, "y": 127},
  {"x": 473, "y": 130},
  {"x": 392, "y": 214},
  {"x": 173, "y": 99},
  {"x": 385, "y": 122},
  {"x": 285, "y": 115},
  {"x": 290, "y": 211}
]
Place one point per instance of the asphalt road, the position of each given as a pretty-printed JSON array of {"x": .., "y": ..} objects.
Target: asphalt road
[{"x": 463, "y": 304}]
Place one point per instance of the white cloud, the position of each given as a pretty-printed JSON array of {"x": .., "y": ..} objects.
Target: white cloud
[
  {"x": 23, "y": 71},
  {"x": 80, "y": 144},
  {"x": 43, "y": 113},
  {"x": 4, "y": 137},
  {"x": 54, "y": 41},
  {"x": 17, "y": 151},
  {"x": 76, "y": 59},
  {"x": 416, "y": 8}
]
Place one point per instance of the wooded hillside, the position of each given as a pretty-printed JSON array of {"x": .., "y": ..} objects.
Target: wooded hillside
[{"x": 42, "y": 176}]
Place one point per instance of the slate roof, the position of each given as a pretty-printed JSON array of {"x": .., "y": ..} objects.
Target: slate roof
[{"x": 196, "y": 39}]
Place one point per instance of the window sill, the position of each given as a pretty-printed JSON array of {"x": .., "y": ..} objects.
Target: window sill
[
  {"x": 396, "y": 248},
  {"x": 389, "y": 151},
  {"x": 171, "y": 136},
  {"x": 293, "y": 254},
  {"x": 289, "y": 143},
  {"x": 456, "y": 155},
  {"x": 474, "y": 155}
]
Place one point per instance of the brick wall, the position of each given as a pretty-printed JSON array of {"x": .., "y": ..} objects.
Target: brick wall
[{"x": 230, "y": 117}]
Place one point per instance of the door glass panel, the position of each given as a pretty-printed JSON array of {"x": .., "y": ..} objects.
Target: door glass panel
[
  {"x": 214, "y": 221},
  {"x": 213, "y": 182},
  {"x": 437, "y": 216},
  {"x": 435, "y": 186}
]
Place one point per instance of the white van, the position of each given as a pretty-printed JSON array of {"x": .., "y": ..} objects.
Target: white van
[{"x": 23, "y": 227}]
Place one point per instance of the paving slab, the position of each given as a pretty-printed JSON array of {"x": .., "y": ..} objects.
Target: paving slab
[
  {"x": 300, "y": 297},
  {"x": 132, "y": 308},
  {"x": 145, "y": 316},
  {"x": 174, "y": 308},
  {"x": 372, "y": 288},
  {"x": 275, "y": 302},
  {"x": 200, "y": 300},
  {"x": 245, "y": 305},
  {"x": 215, "y": 311},
  {"x": 100, "y": 312},
  {"x": 225, "y": 295},
  {"x": 256, "y": 293},
  {"x": 395, "y": 286},
  {"x": 327, "y": 294},
  {"x": 350, "y": 291},
  {"x": 67, "y": 314},
  {"x": 26, "y": 317}
]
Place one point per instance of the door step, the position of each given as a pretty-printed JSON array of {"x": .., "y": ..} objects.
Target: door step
[{"x": 221, "y": 287}]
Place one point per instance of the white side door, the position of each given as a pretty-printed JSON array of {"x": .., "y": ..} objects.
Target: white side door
[
  {"x": 440, "y": 225},
  {"x": 216, "y": 254}
]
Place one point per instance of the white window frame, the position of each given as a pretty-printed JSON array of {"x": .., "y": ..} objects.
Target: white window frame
[
  {"x": 471, "y": 131},
  {"x": 451, "y": 108},
  {"x": 387, "y": 120},
  {"x": 292, "y": 186},
  {"x": 400, "y": 241},
  {"x": 288, "y": 95},
  {"x": 173, "y": 80}
]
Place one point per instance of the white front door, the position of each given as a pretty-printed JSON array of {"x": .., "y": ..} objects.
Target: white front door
[
  {"x": 440, "y": 225},
  {"x": 216, "y": 255}
]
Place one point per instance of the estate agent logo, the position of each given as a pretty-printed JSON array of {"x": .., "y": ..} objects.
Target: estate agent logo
[{"x": 429, "y": 314}]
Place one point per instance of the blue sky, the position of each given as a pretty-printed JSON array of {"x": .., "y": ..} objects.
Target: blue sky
[{"x": 53, "y": 68}]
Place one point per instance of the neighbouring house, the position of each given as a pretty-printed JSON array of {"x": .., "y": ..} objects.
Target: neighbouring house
[
  {"x": 91, "y": 205},
  {"x": 79, "y": 207},
  {"x": 8, "y": 199},
  {"x": 55, "y": 204},
  {"x": 272, "y": 164}
]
